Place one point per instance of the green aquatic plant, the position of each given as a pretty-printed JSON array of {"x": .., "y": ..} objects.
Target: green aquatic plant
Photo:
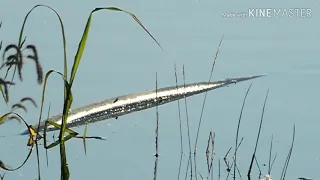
[{"x": 15, "y": 61}]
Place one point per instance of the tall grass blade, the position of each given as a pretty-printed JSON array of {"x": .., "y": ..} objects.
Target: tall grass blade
[
  {"x": 47, "y": 75},
  {"x": 219, "y": 175},
  {"x": 205, "y": 95},
  {"x": 65, "y": 174},
  {"x": 257, "y": 163},
  {"x": 45, "y": 138},
  {"x": 64, "y": 168},
  {"x": 156, "y": 132},
  {"x": 20, "y": 41},
  {"x": 44, "y": 90},
  {"x": 255, "y": 149},
  {"x": 237, "y": 135},
  {"x": 270, "y": 154},
  {"x": 187, "y": 116},
  {"x": 38, "y": 159},
  {"x": 84, "y": 38},
  {"x": 203, "y": 104},
  {"x": 181, "y": 139},
  {"x": 286, "y": 165},
  {"x": 81, "y": 47}
]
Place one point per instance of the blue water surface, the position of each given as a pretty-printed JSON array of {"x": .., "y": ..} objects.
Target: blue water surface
[{"x": 120, "y": 58}]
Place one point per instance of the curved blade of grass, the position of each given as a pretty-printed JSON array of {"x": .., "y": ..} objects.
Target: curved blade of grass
[
  {"x": 68, "y": 96},
  {"x": 67, "y": 92},
  {"x": 62, "y": 32},
  {"x": 83, "y": 41},
  {"x": 84, "y": 139},
  {"x": 237, "y": 134},
  {"x": 284, "y": 171},
  {"x": 67, "y": 104},
  {"x": 258, "y": 136},
  {"x": 44, "y": 89},
  {"x": 2, "y": 164},
  {"x": 20, "y": 41},
  {"x": 5, "y": 167}
]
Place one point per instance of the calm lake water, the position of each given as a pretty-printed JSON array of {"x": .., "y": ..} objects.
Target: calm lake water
[{"x": 121, "y": 59}]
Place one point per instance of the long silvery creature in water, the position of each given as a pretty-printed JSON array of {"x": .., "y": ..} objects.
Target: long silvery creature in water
[{"x": 122, "y": 105}]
